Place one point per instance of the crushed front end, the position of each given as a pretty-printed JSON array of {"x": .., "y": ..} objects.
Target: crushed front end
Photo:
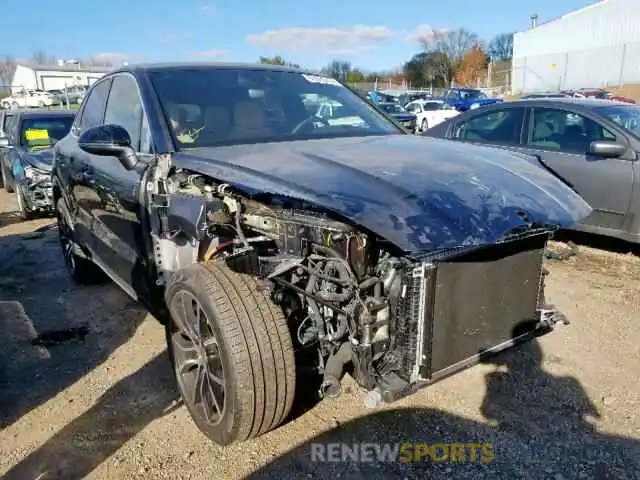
[
  {"x": 36, "y": 188},
  {"x": 400, "y": 320}
]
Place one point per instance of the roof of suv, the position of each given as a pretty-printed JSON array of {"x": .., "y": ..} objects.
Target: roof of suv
[{"x": 205, "y": 65}]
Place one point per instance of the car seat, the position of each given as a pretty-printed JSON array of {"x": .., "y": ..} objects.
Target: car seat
[
  {"x": 249, "y": 121},
  {"x": 543, "y": 133}
]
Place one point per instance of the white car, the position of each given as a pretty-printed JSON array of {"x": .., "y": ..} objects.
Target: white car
[
  {"x": 430, "y": 112},
  {"x": 332, "y": 113},
  {"x": 28, "y": 99}
]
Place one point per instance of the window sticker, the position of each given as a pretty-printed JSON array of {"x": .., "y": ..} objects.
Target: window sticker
[
  {"x": 322, "y": 80},
  {"x": 36, "y": 134}
]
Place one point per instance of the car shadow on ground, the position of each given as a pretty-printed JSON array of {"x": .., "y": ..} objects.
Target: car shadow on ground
[
  {"x": 117, "y": 416},
  {"x": 599, "y": 242},
  {"x": 538, "y": 425},
  {"x": 36, "y": 296}
]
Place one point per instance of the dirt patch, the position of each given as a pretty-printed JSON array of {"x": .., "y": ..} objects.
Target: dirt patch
[{"x": 103, "y": 404}]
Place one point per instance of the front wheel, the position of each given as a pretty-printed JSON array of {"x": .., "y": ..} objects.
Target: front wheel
[
  {"x": 424, "y": 125},
  {"x": 5, "y": 178},
  {"x": 23, "y": 208},
  {"x": 232, "y": 352}
]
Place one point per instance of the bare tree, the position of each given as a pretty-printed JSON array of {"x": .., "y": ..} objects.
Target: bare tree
[
  {"x": 40, "y": 57},
  {"x": 7, "y": 69},
  {"x": 449, "y": 48},
  {"x": 501, "y": 47}
]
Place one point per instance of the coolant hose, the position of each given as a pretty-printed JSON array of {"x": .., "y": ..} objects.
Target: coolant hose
[{"x": 334, "y": 369}]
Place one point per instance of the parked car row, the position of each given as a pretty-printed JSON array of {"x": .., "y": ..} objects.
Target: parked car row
[
  {"x": 419, "y": 110},
  {"x": 28, "y": 99},
  {"x": 44, "y": 98},
  {"x": 598, "y": 93}
]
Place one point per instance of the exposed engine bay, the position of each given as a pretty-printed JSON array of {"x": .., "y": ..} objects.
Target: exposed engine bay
[{"x": 353, "y": 299}]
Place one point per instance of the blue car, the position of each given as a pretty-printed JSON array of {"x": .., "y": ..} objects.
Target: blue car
[
  {"x": 463, "y": 99},
  {"x": 400, "y": 114}
]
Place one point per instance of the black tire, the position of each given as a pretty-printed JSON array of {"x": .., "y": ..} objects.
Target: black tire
[
  {"x": 424, "y": 125},
  {"x": 25, "y": 214},
  {"x": 252, "y": 350},
  {"x": 5, "y": 179},
  {"x": 82, "y": 270}
]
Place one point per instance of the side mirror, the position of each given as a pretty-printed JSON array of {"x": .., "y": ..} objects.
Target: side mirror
[
  {"x": 109, "y": 141},
  {"x": 607, "y": 149},
  {"x": 4, "y": 142}
]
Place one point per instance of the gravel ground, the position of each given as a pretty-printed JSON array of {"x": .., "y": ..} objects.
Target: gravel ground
[{"x": 104, "y": 405}]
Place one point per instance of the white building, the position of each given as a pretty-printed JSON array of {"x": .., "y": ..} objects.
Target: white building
[
  {"x": 54, "y": 77},
  {"x": 596, "y": 46}
]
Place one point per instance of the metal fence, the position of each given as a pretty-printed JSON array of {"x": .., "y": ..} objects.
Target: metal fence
[{"x": 600, "y": 67}]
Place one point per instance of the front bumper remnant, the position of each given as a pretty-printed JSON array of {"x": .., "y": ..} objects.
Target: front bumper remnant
[
  {"x": 460, "y": 308},
  {"x": 38, "y": 193}
]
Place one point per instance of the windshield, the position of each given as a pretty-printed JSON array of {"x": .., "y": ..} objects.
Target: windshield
[
  {"x": 628, "y": 117},
  {"x": 393, "y": 108},
  {"x": 221, "y": 106},
  {"x": 44, "y": 132}
]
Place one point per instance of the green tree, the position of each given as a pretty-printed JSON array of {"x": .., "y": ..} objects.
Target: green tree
[
  {"x": 424, "y": 70},
  {"x": 338, "y": 69},
  {"x": 355, "y": 76}
]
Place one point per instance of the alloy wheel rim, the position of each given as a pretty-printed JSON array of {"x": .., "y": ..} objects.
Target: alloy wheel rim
[{"x": 197, "y": 359}]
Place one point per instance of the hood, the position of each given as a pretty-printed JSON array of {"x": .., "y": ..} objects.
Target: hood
[
  {"x": 480, "y": 101},
  {"x": 41, "y": 159},
  {"x": 403, "y": 117},
  {"x": 419, "y": 193}
]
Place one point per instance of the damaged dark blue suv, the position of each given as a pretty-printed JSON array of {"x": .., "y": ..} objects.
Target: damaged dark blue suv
[{"x": 269, "y": 239}]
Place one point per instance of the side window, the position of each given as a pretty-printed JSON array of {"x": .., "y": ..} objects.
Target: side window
[
  {"x": 11, "y": 129},
  {"x": 124, "y": 107},
  {"x": 564, "y": 131},
  {"x": 495, "y": 126},
  {"x": 6, "y": 123},
  {"x": 432, "y": 106},
  {"x": 93, "y": 109},
  {"x": 145, "y": 137}
]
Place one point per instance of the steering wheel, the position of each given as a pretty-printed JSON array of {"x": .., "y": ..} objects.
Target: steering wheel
[{"x": 308, "y": 120}]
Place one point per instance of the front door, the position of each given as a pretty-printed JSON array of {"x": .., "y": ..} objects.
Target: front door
[
  {"x": 76, "y": 165},
  {"x": 116, "y": 215}
]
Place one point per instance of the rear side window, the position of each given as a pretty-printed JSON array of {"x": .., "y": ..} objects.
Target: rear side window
[
  {"x": 94, "y": 105},
  {"x": 495, "y": 126}
]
